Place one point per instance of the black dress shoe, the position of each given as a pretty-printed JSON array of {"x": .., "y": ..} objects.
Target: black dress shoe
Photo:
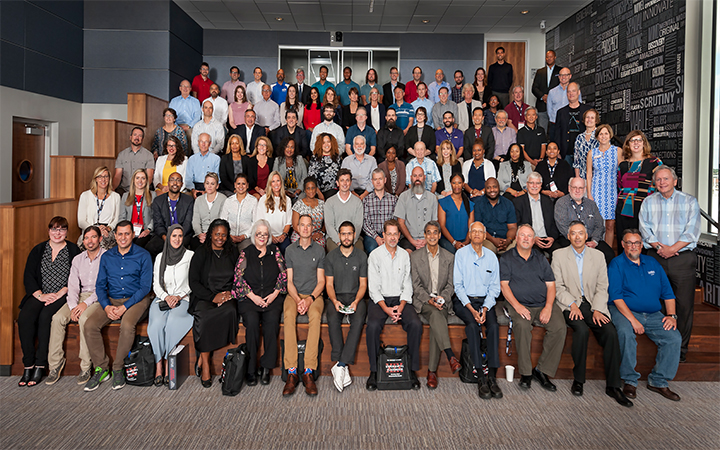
[
  {"x": 415, "y": 381},
  {"x": 618, "y": 395},
  {"x": 206, "y": 383},
  {"x": 27, "y": 373},
  {"x": 494, "y": 388},
  {"x": 251, "y": 379},
  {"x": 683, "y": 358},
  {"x": 371, "y": 384},
  {"x": 544, "y": 380},
  {"x": 37, "y": 375},
  {"x": 577, "y": 388},
  {"x": 484, "y": 389},
  {"x": 265, "y": 376},
  {"x": 525, "y": 381}
]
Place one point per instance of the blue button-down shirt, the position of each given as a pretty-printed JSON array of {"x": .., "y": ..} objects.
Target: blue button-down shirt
[
  {"x": 434, "y": 89},
  {"x": 198, "y": 166},
  {"x": 428, "y": 105},
  {"x": 640, "y": 286},
  {"x": 669, "y": 220},
  {"x": 432, "y": 174},
  {"x": 124, "y": 276},
  {"x": 476, "y": 276},
  {"x": 579, "y": 261},
  {"x": 495, "y": 218},
  {"x": 188, "y": 110}
]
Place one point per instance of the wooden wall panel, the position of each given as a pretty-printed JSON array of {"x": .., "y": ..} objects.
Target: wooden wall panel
[
  {"x": 146, "y": 110},
  {"x": 24, "y": 225},
  {"x": 515, "y": 55},
  {"x": 71, "y": 175},
  {"x": 112, "y": 136}
]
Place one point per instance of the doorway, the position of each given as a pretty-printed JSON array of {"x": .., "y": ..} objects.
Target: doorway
[
  {"x": 515, "y": 55},
  {"x": 28, "y": 160},
  {"x": 335, "y": 59}
]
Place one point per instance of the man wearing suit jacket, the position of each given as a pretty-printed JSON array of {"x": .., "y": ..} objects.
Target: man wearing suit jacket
[
  {"x": 303, "y": 89},
  {"x": 432, "y": 280},
  {"x": 389, "y": 87},
  {"x": 582, "y": 293},
  {"x": 542, "y": 83},
  {"x": 293, "y": 131},
  {"x": 539, "y": 212},
  {"x": 168, "y": 209},
  {"x": 249, "y": 132},
  {"x": 478, "y": 130}
]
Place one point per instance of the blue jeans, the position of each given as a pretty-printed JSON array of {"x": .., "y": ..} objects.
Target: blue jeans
[
  {"x": 667, "y": 341},
  {"x": 447, "y": 245},
  {"x": 370, "y": 243}
]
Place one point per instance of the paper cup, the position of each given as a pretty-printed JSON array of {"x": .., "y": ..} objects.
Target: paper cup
[{"x": 509, "y": 373}]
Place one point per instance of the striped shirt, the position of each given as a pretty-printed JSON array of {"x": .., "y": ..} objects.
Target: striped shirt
[{"x": 669, "y": 220}]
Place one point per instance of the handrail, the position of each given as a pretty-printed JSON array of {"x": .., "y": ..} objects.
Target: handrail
[{"x": 709, "y": 219}]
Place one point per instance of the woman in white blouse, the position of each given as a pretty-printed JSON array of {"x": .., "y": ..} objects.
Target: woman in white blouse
[
  {"x": 169, "y": 320},
  {"x": 100, "y": 206},
  {"x": 239, "y": 211},
  {"x": 207, "y": 208},
  {"x": 275, "y": 207}
]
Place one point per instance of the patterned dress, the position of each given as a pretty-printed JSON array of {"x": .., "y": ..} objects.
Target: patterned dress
[
  {"x": 604, "y": 180},
  {"x": 582, "y": 147},
  {"x": 635, "y": 184},
  {"x": 325, "y": 170},
  {"x": 317, "y": 214}
]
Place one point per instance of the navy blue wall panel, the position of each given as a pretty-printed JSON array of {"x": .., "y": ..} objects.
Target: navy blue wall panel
[
  {"x": 72, "y": 11},
  {"x": 185, "y": 28},
  {"x": 112, "y": 86},
  {"x": 12, "y": 22},
  {"x": 12, "y": 65},
  {"x": 50, "y": 76},
  {"x": 184, "y": 60},
  {"x": 127, "y": 15},
  {"x": 51, "y": 35},
  {"x": 126, "y": 49}
]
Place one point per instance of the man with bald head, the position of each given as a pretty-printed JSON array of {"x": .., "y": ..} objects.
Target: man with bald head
[
  {"x": 210, "y": 126},
  {"x": 187, "y": 107},
  {"x": 429, "y": 167},
  {"x": 434, "y": 88},
  {"x": 415, "y": 207},
  {"x": 569, "y": 122},
  {"x": 498, "y": 215}
]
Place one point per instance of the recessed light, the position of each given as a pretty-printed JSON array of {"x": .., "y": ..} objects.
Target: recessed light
[
  {"x": 279, "y": 19},
  {"x": 524, "y": 11},
  {"x": 425, "y": 21}
]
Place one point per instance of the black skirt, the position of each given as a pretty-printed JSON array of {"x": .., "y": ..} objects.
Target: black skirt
[{"x": 214, "y": 326}]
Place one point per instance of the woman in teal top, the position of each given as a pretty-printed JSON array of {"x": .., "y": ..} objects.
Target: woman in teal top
[{"x": 455, "y": 214}]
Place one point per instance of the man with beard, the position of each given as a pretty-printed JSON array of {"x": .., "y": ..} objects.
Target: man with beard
[
  {"x": 361, "y": 166},
  {"x": 429, "y": 167},
  {"x": 390, "y": 287},
  {"x": 449, "y": 133},
  {"x": 132, "y": 158},
  {"x": 498, "y": 216},
  {"x": 168, "y": 209},
  {"x": 442, "y": 106},
  {"x": 478, "y": 130},
  {"x": 415, "y": 207},
  {"x": 328, "y": 126},
  {"x": 390, "y": 136},
  {"x": 228, "y": 88},
  {"x": 220, "y": 105},
  {"x": 346, "y": 272}
]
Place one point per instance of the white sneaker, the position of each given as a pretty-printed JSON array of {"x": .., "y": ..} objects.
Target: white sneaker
[
  {"x": 347, "y": 381},
  {"x": 338, "y": 376}
]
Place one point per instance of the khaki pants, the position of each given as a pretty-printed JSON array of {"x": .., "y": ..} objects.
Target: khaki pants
[
  {"x": 98, "y": 320},
  {"x": 57, "y": 335},
  {"x": 490, "y": 246},
  {"x": 290, "y": 314}
]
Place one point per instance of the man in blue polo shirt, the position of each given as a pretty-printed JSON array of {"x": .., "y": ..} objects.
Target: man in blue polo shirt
[
  {"x": 342, "y": 89},
  {"x": 404, "y": 110},
  {"x": 448, "y": 132},
  {"x": 637, "y": 284},
  {"x": 498, "y": 215},
  {"x": 279, "y": 89}
]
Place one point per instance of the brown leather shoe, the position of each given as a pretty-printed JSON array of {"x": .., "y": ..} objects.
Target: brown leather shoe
[
  {"x": 455, "y": 365},
  {"x": 309, "y": 382},
  {"x": 630, "y": 391},
  {"x": 665, "y": 392},
  {"x": 292, "y": 381},
  {"x": 432, "y": 381}
]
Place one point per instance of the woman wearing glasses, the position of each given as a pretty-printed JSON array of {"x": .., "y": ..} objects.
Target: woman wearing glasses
[
  {"x": 46, "y": 276},
  {"x": 169, "y": 128},
  {"x": 260, "y": 278},
  {"x": 100, "y": 206}
]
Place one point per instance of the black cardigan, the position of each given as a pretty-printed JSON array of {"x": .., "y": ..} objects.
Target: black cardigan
[
  {"x": 32, "y": 277},
  {"x": 457, "y": 168},
  {"x": 227, "y": 171},
  {"x": 200, "y": 272},
  {"x": 252, "y": 172}
]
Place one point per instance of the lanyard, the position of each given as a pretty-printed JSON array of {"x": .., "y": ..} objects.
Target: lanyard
[
  {"x": 519, "y": 109},
  {"x": 173, "y": 212},
  {"x": 100, "y": 206},
  {"x": 574, "y": 206},
  {"x": 138, "y": 207},
  {"x": 552, "y": 168}
]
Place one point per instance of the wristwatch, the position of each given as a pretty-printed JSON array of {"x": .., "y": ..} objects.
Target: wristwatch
[{"x": 674, "y": 316}]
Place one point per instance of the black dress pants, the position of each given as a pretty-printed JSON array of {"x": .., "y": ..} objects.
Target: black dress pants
[
  {"x": 34, "y": 320},
  {"x": 410, "y": 324},
  {"x": 607, "y": 338},
  {"x": 253, "y": 317},
  {"x": 344, "y": 352},
  {"x": 472, "y": 331}
]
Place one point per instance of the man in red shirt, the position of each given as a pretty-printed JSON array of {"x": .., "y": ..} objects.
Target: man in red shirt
[{"x": 201, "y": 83}]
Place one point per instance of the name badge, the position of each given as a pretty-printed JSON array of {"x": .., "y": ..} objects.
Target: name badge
[
  {"x": 138, "y": 229},
  {"x": 553, "y": 188}
]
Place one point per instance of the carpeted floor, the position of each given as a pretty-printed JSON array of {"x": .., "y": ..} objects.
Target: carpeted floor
[{"x": 453, "y": 417}]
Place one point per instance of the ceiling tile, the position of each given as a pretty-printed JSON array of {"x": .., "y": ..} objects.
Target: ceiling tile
[
  {"x": 215, "y": 16},
  {"x": 210, "y": 6},
  {"x": 273, "y": 8}
]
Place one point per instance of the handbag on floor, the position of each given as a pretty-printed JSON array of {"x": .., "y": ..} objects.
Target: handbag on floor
[
  {"x": 394, "y": 368},
  {"x": 235, "y": 364},
  {"x": 468, "y": 373},
  {"x": 139, "y": 364},
  {"x": 301, "y": 359}
]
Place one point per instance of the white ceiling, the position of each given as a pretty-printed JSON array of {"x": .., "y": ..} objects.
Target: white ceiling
[{"x": 444, "y": 16}]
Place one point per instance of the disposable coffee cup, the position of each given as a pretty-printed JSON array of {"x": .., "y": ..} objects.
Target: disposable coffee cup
[{"x": 509, "y": 372}]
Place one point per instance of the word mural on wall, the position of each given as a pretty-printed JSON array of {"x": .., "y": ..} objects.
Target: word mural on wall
[{"x": 628, "y": 57}]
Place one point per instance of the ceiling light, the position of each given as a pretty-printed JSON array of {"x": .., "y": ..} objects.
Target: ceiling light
[
  {"x": 524, "y": 11},
  {"x": 425, "y": 21},
  {"x": 279, "y": 19}
]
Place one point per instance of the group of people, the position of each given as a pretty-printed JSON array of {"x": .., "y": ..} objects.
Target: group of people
[{"x": 490, "y": 212}]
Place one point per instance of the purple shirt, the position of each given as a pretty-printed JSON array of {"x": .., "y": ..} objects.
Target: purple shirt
[{"x": 83, "y": 274}]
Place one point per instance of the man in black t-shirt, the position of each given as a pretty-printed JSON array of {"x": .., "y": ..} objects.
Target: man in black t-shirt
[
  {"x": 569, "y": 123},
  {"x": 500, "y": 77}
]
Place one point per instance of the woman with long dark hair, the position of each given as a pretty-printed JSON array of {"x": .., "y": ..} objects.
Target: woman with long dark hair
[
  {"x": 513, "y": 174},
  {"x": 455, "y": 214},
  {"x": 173, "y": 160},
  {"x": 291, "y": 167}
]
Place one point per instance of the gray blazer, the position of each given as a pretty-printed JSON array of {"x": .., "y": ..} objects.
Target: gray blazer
[
  {"x": 127, "y": 211},
  {"x": 505, "y": 175},
  {"x": 301, "y": 171},
  {"x": 202, "y": 216},
  {"x": 567, "y": 279},
  {"x": 420, "y": 270}
]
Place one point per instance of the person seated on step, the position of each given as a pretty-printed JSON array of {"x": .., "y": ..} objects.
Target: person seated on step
[{"x": 168, "y": 209}]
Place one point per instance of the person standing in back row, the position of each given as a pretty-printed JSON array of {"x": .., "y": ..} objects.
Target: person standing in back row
[{"x": 500, "y": 77}]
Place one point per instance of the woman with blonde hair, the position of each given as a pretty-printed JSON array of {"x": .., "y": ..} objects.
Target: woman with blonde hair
[
  {"x": 448, "y": 165},
  {"x": 235, "y": 161},
  {"x": 260, "y": 165},
  {"x": 100, "y": 206},
  {"x": 275, "y": 207},
  {"x": 136, "y": 207}
]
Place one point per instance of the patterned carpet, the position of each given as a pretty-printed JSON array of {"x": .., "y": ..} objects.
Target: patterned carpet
[{"x": 453, "y": 417}]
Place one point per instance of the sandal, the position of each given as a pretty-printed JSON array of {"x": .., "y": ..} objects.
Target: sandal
[
  {"x": 37, "y": 376},
  {"x": 27, "y": 373},
  {"x": 166, "y": 380},
  {"x": 158, "y": 381}
]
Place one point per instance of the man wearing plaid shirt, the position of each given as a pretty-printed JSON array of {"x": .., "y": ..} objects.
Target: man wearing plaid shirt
[
  {"x": 378, "y": 206},
  {"x": 670, "y": 227}
]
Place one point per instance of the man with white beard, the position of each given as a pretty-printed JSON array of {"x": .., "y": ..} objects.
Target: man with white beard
[
  {"x": 415, "y": 207},
  {"x": 361, "y": 166}
]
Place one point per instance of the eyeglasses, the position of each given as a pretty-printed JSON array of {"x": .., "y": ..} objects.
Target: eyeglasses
[
  {"x": 102, "y": 177},
  {"x": 261, "y": 235},
  {"x": 636, "y": 140},
  {"x": 58, "y": 230},
  {"x": 633, "y": 243}
]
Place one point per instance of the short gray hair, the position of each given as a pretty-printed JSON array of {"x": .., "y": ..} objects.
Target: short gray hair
[
  {"x": 665, "y": 167},
  {"x": 360, "y": 136},
  {"x": 259, "y": 223},
  {"x": 535, "y": 176},
  {"x": 432, "y": 223}
]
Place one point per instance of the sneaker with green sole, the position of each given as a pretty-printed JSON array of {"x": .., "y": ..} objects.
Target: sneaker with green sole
[
  {"x": 118, "y": 380},
  {"x": 100, "y": 376}
]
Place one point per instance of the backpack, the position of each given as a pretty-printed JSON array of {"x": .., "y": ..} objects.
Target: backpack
[
  {"x": 139, "y": 364},
  {"x": 394, "y": 368},
  {"x": 235, "y": 365}
]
